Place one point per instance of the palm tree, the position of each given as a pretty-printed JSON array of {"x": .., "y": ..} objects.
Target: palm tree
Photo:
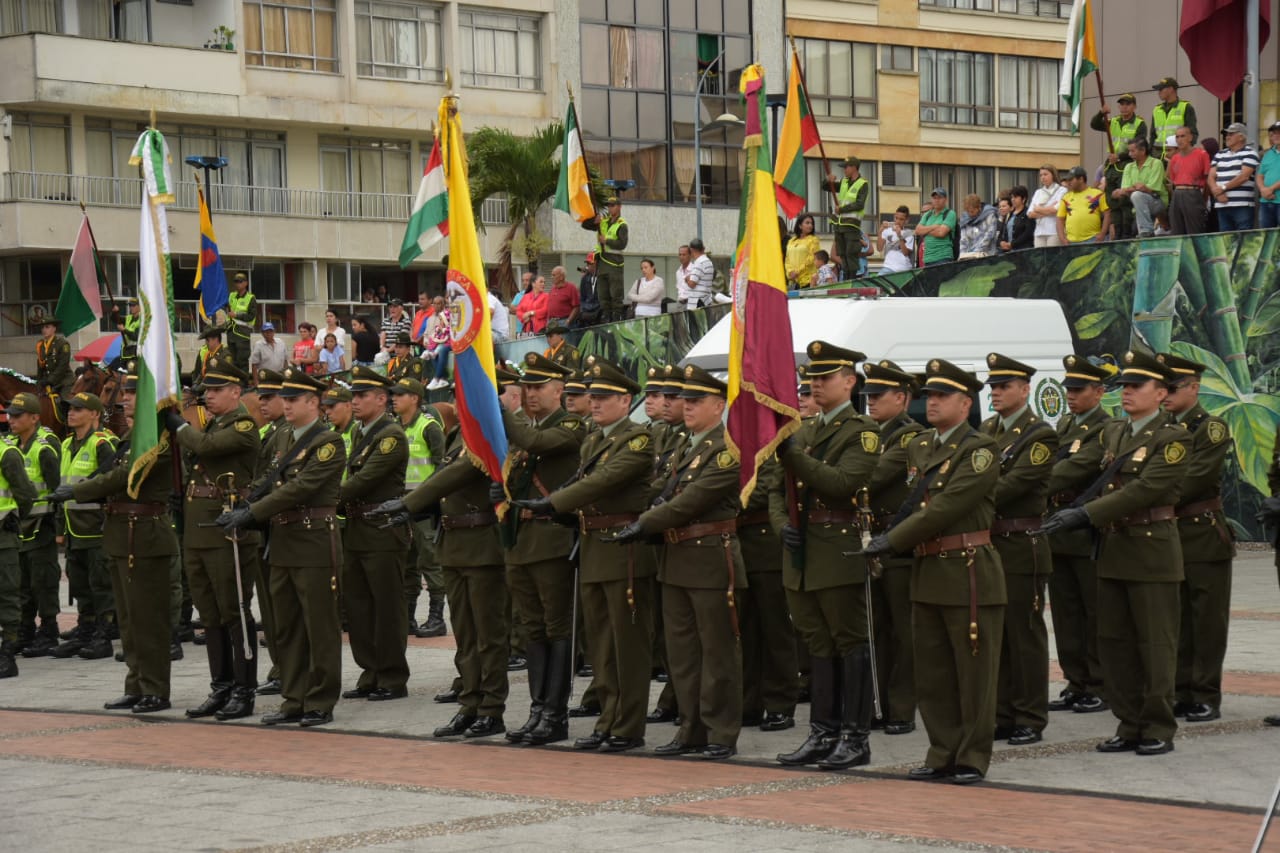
[{"x": 526, "y": 170}]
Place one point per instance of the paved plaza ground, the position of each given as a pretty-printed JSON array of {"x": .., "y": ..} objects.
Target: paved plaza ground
[{"x": 75, "y": 777}]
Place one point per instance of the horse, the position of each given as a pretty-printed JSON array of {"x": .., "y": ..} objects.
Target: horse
[
  {"x": 105, "y": 385},
  {"x": 13, "y": 383}
]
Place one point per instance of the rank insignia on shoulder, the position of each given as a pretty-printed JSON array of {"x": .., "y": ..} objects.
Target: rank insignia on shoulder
[
  {"x": 571, "y": 423},
  {"x": 724, "y": 459},
  {"x": 387, "y": 445},
  {"x": 1217, "y": 432},
  {"x": 981, "y": 459},
  {"x": 946, "y": 466},
  {"x": 870, "y": 441},
  {"x": 1075, "y": 447},
  {"x": 325, "y": 452},
  {"x": 906, "y": 439},
  {"x": 639, "y": 443},
  {"x": 1040, "y": 453},
  {"x": 1140, "y": 455},
  {"x": 1175, "y": 452},
  {"x": 245, "y": 426}
]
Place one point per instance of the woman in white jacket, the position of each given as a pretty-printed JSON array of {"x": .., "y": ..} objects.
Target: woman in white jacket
[{"x": 647, "y": 292}]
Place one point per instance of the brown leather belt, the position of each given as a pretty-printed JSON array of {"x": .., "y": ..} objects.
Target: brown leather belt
[
  {"x": 360, "y": 510},
  {"x": 676, "y": 535},
  {"x": 832, "y": 516},
  {"x": 1199, "y": 508},
  {"x": 306, "y": 515},
  {"x": 468, "y": 520},
  {"x": 1188, "y": 187},
  {"x": 139, "y": 510},
  {"x": 751, "y": 519},
  {"x": 602, "y": 522},
  {"x": 955, "y": 542},
  {"x": 195, "y": 490},
  {"x": 1146, "y": 516},
  {"x": 1063, "y": 498},
  {"x": 1005, "y": 526}
]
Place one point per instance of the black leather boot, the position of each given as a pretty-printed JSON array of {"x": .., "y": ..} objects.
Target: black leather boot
[
  {"x": 537, "y": 655},
  {"x": 99, "y": 647},
  {"x": 852, "y": 748},
  {"x": 824, "y": 715},
  {"x": 44, "y": 642},
  {"x": 434, "y": 626},
  {"x": 554, "y": 724},
  {"x": 8, "y": 666},
  {"x": 244, "y": 672},
  {"x": 220, "y": 684},
  {"x": 81, "y": 634}
]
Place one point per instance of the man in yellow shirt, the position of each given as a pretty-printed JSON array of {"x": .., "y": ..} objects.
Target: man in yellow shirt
[{"x": 1083, "y": 214}]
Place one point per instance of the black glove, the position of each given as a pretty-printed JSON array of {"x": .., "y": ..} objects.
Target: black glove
[
  {"x": 65, "y": 492},
  {"x": 538, "y": 506},
  {"x": 633, "y": 532},
  {"x": 391, "y": 507},
  {"x": 175, "y": 503},
  {"x": 238, "y": 517},
  {"x": 878, "y": 545},
  {"x": 396, "y": 519},
  {"x": 785, "y": 445},
  {"x": 792, "y": 538},
  {"x": 1071, "y": 518},
  {"x": 173, "y": 420},
  {"x": 1269, "y": 514}
]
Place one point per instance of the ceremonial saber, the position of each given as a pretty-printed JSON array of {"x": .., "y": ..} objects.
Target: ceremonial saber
[{"x": 234, "y": 536}]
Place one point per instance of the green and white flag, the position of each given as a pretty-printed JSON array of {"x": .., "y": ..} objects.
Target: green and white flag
[{"x": 159, "y": 386}]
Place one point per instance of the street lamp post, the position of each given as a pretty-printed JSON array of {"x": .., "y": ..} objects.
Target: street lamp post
[
  {"x": 210, "y": 164},
  {"x": 723, "y": 120}
]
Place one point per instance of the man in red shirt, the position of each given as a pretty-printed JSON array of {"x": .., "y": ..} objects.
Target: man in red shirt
[
  {"x": 1188, "y": 172},
  {"x": 419, "y": 326},
  {"x": 563, "y": 304}
]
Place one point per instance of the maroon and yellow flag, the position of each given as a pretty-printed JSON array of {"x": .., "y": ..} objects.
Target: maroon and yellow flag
[{"x": 763, "y": 405}]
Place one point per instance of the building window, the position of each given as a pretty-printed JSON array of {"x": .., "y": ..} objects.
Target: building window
[
  {"x": 1038, "y": 8},
  {"x": 959, "y": 181},
  {"x": 841, "y": 77},
  {"x": 29, "y": 16},
  {"x": 39, "y": 143},
  {"x": 965, "y": 5},
  {"x": 897, "y": 174},
  {"x": 956, "y": 87},
  {"x": 897, "y": 57},
  {"x": 1029, "y": 178},
  {"x": 365, "y": 178},
  {"x": 296, "y": 34},
  {"x": 400, "y": 40},
  {"x": 1029, "y": 97},
  {"x": 500, "y": 51}
]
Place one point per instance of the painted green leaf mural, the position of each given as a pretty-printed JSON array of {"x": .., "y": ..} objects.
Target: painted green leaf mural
[
  {"x": 1081, "y": 267},
  {"x": 1091, "y": 325},
  {"x": 976, "y": 281}
]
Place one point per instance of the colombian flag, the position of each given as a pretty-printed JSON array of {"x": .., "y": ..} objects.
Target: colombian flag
[
  {"x": 213, "y": 294},
  {"x": 475, "y": 382},
  {"x": 763, "y": 403}
]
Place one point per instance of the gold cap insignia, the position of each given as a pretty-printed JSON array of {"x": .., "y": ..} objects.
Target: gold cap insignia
[
  {"x": 815, "y": 348},
  {"x": 1160, "y": 357},
  {"x": 688, "y": 372},
  {"x": 133, "y": 366},
  {"x": 1071, "y": 361},
  {"x": 262, "y": 374},
  {"x": 530, "y": 358},
  {"x": 1128, "y": 358},
  {"x": 934, "y": 365},
  {"x": 595, "y": 371},
  {"x": 591, "y": 359},
  {"x": 288, "y": 374},
  {"x": 884, "y": 363},
  {"x": 992, "y": 359},
  {"x": 82, "y": 397},
  {"x": 653, "y": 371}
]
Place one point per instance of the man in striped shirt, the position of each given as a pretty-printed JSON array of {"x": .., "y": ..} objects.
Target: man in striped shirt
[
  {"x": 1231, "y": 184},
  {"x": 397, "y": 321}
]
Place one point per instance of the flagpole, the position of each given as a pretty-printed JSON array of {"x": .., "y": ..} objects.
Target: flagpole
[
  {"x": 1102, "y": 98},
  {"x": 822, "y": 151},
  {"x": 591, "y": 185}
]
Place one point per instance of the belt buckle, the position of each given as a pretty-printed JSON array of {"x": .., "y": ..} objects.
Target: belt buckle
[
  {"x": 670, "y": 536},
  {"x": 306, "y": 519}
]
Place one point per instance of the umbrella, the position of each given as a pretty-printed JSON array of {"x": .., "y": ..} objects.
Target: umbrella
[{"x": 104, "y": 348}]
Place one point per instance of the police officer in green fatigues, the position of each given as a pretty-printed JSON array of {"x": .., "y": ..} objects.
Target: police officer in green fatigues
[
  {"x": 544, "y": 450},
  {"x": 957, "y": 585},
  {"x": 1140, "y": 558},
  {"x": 1122, "y": 129},
  {"x": 1208, "y": 547},
  {"x": 701, "y": 570},
  {"x": 373, "y": 572},
  {"x": 610, "y": 490},
  {"x": 1026, "y": 445},
  {"x": 298, "y": 496},
  {"x": 38, "y": 544},
  {"x": 402, "y": 364},
  {"x": 888, "y": 391},
  {"x": 1073, "y": 586},
  {"x": 831, "y": 459},
  {"x": 425, "y": 433},
  {"x": 138, "y": 536},
  {"x": 271, "y": 408},
  {"x": 851, "y": 193},
  {"x": 221, "y": 461},
  {"x": 611, "y": 242},
  {"x": 242, "y": 310},
  {"x": 84, "y": 451},
  {"x": 17, "y": 496}
]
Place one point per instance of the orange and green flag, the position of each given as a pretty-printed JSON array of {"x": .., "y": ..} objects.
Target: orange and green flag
[
  {"x": 1080, "y": 59},
  {"x": 799, "y": 133}
]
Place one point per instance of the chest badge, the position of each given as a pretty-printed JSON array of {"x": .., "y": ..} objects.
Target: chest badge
[{"x": 1140, "y": 455}]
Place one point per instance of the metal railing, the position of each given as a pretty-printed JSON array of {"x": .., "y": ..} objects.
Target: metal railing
[{"x": 226, "y": 198}]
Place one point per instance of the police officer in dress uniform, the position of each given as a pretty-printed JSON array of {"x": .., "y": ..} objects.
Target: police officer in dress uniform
[
  {"x": 336, "y": 405},
  {"x": 831, "y": 459},
  {"x": 544, "y": 450},
  {"x": 221, "y": 461},
  {"x": 425, "y": 433},
  {"x": 373, "y": 571},
  {"x": 38, "y": 545},
  {"x": 957, "y": 585},
  {"x": 701, "y": 570},
  {"x": 888, "y": 391},
  {"x": 1207, "y": 547},
  {"x": 1027, "y": 445},
  {"x": 54, "y": 375},
  {"x": 138, "y": 536},
  {"x": 212, "y": 346},
  {"x": 610, "y": 490},
  {"x": 298, "y": 496},
  {"x": 402, "y": 364},
  {"x": 1073, "y": 586},
  {"x": 1140, "y": 558},
  {"x": 17, "y": 496},
  {"x": 560, "y": 350},
  {"x": 271, "y": 409}
]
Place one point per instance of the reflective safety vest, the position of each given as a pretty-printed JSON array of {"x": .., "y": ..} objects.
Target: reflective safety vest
[
  {"x": 1123, "y": 132},
  {"x": 7, "y": 502},
  {"x": 421, "y": 465},
  {"x": 348, "y": 435},
  {"x": 603, "y": 252},
  {"x": 237, "y": 304},
  {"x": 84, "y": 520},
  {"x": 31, "y": 456},
  {"x": 848, "y": 194},
  {"x": 1165, "y": 121}
]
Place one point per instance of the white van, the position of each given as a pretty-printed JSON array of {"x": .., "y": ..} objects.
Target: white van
[{"x": 912, "y": 330}]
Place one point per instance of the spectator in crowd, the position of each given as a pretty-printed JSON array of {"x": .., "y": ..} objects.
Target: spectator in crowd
[
  {"x": 1169, "y": 115},
  {"x": 1083, "y": 214},
  {"x": 367, "y": 297},
  {"x": 397, "y": 321},
  {"x": 1019, "y": 230},
  {"x": 533, "y": 307},
  {"x": 647, "y": 293},
  {"x": 588, "y": 293},
  {"x": 1122, "y": 129},
  {"x": 1044, "y": 207},
  {"x": 1211, "y": 147},
  {"x": 332, "y": 327},
  {"x": 701, "y": 278},
  {"x": 799, "y": 253},
  {"x": 896, "y": 243},
  {"x": 1143, "y": 185},
  {"x": 526, "y": 287},
  {"x": 978, "y": 228},
  {"x": 936, "y": 226},
  {"x": 1269, "y": 181},
  {"x": 439, "y": 336},
  {"x": 268, "y": 353},
  {"x": 563, "y": 303},
  {"x": 499, "y": 319},
  {"x": 418, "y": 329},
  {"x": 1188, "y": 173},
  {"x": 383, "y": 297},
  {"x": 682, "y": 276},
  {"x": 1231, "y": 181},
  {"x": 333, "y": 359},
  {"x": 827, "y": 273},
  {"x": 305, "y": 351},
  {"x": 364, "y": 335},
  {"x": 1004, "y": 209}
]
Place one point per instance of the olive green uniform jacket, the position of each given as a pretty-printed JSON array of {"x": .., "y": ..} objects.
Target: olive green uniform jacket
[
  {"x": 459, "y": 487},
  {"x": 374, "y": 473},
  {"x": 1077, "y": 464},
  {"x": 1026, "y": 452},
  {"x": 541, "y": 459},
  {"x": 228, "y": 445},
  {"x": 1206, "y": 535},
  {"x": 310, "y": 479}
]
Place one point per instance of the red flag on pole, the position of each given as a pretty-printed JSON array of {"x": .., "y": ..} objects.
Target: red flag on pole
[{"x": 1212, "y": 32}]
